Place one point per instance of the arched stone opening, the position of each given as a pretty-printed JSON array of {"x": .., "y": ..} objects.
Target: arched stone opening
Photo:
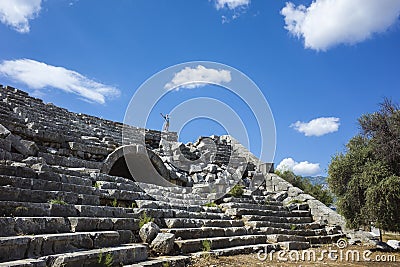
[{"x": 136, "y": 163}]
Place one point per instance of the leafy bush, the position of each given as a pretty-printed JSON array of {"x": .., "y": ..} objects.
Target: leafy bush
[
  {"x": 145, "y": 219},
  {"x": 236, "y": 191},
  {"x": 206, "y": 245},
  {"x": 107, "y": 261},
  {"x": 317, "y": 191},
  {"x": 295, "y": 201},
  {"x": 366, "y": 177},
  {"x": 210, "y": 204},
  {"x": 114, "y": 203},
  {"x": 57, "y": 202}
]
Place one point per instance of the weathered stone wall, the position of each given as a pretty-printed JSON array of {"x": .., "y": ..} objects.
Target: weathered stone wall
[{"x": 62, "y": 137}]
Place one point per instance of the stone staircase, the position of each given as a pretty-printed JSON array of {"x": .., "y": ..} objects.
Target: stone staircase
[
  {"x": 62, "y": 219},
  {"x": 71, "y": 218},
  {"x": 58, "y": 209}
]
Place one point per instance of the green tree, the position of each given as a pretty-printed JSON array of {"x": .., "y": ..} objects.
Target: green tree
[
  {"x": 365, "y": 178},
  {"x": 317, "y": 191}
]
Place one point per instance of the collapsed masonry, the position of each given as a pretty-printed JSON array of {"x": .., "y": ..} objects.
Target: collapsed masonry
[{"x": 69, "y": 198}]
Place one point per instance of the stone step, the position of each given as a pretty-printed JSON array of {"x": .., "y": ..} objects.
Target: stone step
[
  {"x": 71, "y": 162},
  {"x": 45, "y": 185},
  {"x": 275, "y": 238},
  {"x": 294, "y": 245},
  {"x": 244, "y": 199},
  {"x": 60, "y": 173},
  {"x": 252, "y": 200},
  {"x": 298, "y": 206},
  {"x": 282, "y": 213},
  {"x": 250, "y": 206},
  {"x": 81, "y": 224},
  {"x": 172, "y": 189},
  {"x": 18, "y": 171},
  {"x": 201, "y": 215},
  {"x": 121, "y": 255},
  {"x": 196, "y": 223},
  {"x": 326, "y": 239},
  {"x": 33, "y": 246},
  {"x": 295, "y": 220},
  {"x": 9, "y": 193},
  {"x": 292, "y": 226},
  {"x": 195, "y": 245},
  {"x": 112, "y": 182},
  {"x": 120, "y": 185},
  {"x": 25, "y": 263},
  {"x": 124, "y": 195},
  {"x": 204, "y": 232},
  {"x": 246, "y": 249},
  {"x": 12, "y": 226},
  {"x": 29, "y": 209},
  {"x": 175, "y": 261},
  {"x": 299, "y": 232},
  {"x": 190, "y": 200},
  {"x": 188, "y": 204},
  {"x": 154, "y": 204}
]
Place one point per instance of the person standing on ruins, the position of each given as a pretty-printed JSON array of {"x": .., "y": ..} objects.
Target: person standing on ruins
[{"x": 166, "y": 124}]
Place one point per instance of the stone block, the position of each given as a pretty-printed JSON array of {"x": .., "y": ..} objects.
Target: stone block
[
  {"x": 4, "y": 132},
  {"x": 5, "y": 145},
  {"x": 148, "y": 232},
  {"x": 105, "y": 239},
  {"x": 395, "y": 244},
  {"x": 163, "y": 243},
  {"x": 25, "y": 147}
]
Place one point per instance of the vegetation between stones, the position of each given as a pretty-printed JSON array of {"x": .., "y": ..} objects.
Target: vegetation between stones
[{"x": 145, "y": 219}]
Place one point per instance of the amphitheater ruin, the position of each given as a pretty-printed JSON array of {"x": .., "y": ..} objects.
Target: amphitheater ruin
[{"x": 68, "y": 198}]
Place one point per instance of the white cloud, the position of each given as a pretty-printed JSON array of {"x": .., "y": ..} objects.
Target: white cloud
[
  {"x": 38, "y": 75},
  {"x": 17, "y": 13},
  {"x": 326, "y": 23},
  {"x": 196, "y": 77},
  {"x": 317, "y": 127},
  {"x": 231, "y": 4},
  {"x": 303, "y": 168}
]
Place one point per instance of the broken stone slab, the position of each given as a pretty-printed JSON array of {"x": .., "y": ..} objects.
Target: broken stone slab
[
  {"x": 5, "y": 145},
  {"x": 382, "y": 246},
  {"x": 163, "y": 243},
  {"x": 127, "y": 254},
  {"x": 13, "y": 248},
  {"x": 210, "y": 178},
  {"x": 280, "y": 196},
  {"x": 211, "y": 168},
  {"x": 197, "y": 178},
  {"x": 105, "y": 239},
  {"x": 148, "y": 232},
  {"x": 34, "y": 160},
  {"x": 294, "y": 245},
  {"x": 25, "y": 262},
  {"x": 194, "y": 168},
  {"x": 98, "y": 150},
  {"x": 25, "y": 147},
  {"x": 395, "y": 244},
  {"x": 4, "y": 132}
]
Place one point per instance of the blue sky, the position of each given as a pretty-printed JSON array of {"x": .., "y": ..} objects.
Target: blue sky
[{"x": 327, "y": 61}]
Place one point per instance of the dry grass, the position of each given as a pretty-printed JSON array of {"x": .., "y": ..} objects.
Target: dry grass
[
  {"x": 252, "y": 260},
  {"x": 389, "y": 236}
]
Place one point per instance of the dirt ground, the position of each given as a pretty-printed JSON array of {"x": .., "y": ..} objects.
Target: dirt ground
[{"x": 345, "y": 257}]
